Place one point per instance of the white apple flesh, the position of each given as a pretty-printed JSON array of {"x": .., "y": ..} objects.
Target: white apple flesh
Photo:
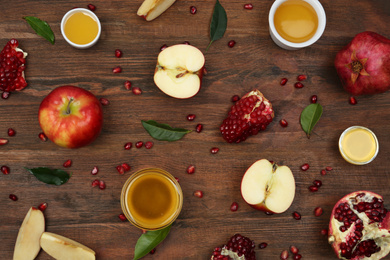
[
  {"x": 62, "y": 248},
  {"x": 27, "y": 244},
  {"x": 268, "y": 187},
  {"x": 151, "y": 9},
  {"x": 179, "y": 71}
]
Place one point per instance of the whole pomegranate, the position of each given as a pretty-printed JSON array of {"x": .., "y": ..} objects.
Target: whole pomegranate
[
  {"x": 237, "y": 248},
  {"x": 364, "y": 64},
  {"x": 359, "y": 227}
]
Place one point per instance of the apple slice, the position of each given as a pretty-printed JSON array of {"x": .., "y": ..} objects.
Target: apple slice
[
  {"x": 27, "y": 243},
  {"x": 268, "y": 187},
  {"x": 151, "y": 9},
  {"x": 179, "y": 71},
  {"x": 62, "y": 248}
]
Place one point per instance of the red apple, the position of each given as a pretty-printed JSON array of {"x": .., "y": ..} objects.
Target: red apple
[{"x": 71, "y": 117}]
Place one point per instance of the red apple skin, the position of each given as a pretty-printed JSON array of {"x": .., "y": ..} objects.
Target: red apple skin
[{"x": 78, "y": 128}]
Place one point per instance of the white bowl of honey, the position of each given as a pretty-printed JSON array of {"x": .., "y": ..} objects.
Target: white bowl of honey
[
  {"x": 295, "y": 24},
  {"x": 81, "y": 28}
]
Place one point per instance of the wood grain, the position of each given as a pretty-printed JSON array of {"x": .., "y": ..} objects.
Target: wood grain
[{"x": 89, "y": 215}]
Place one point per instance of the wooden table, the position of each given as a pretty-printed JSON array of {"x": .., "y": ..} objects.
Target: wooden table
[{"x": 90, "y": 216}]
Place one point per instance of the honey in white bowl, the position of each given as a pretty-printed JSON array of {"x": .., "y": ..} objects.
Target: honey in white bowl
[{"x": 81, "y": 28}]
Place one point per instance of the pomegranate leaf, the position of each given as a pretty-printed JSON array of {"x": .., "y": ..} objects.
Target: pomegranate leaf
[
  {"x": 164, "y": 132},
  {"x": 42, "y": 28},
  {"x": 218, "y": 23},
  {"x": 309, "y": 117},
  {"x": 148, "y": 241},
  {"x": 50, "y": 176}
]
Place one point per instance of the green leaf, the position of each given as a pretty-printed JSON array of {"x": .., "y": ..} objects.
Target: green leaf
[
  {"x": 218, "y": 23},
  {"x": 309, "y": 117},
  {"x": 50, "y": 176},
  {"x": 42, "y": 28},
  {"x": 148, "y": 241},
  {"x": 164, "y": 132}
]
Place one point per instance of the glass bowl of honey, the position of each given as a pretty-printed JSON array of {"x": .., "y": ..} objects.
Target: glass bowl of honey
[{"x": 151, "y": 199}]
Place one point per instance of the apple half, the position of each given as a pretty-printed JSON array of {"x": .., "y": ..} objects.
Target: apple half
[
  {"x": 268, "y": 187},
  {"x": 179, "y": 71},
  {"x": 151, "y": 9},
  {"x": 62, "y": 248},
  {"x": 27, "y": 244}
]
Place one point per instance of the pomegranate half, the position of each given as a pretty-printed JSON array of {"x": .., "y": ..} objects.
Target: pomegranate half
[{"x": 359, "y": 227}]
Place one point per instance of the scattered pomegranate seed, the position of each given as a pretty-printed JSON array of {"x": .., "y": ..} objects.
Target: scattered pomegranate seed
[
  {"x": 352, "y": 100},
  {"x": 313, "y": 99},
  {"x": 198, "y": 194},
  {"x": 117, "y": 69},
  {"x": 263, "y": 245},
  {"x": 324, "y": 232},
  {"x": 92, "y": 7},
  {"x": 298, "y": 85},
  {"x": 328, "y": 168},
  {"x": 191, "y": 169},
  {"x": 283, "y": 81},
  {"x": 104, "y": 101},
  {"x": 95, "y": 183},
  {"x": 235, "y": 98},
  {"x": 163, "y": 47},
  {"x": 186, "y": 43},
  {"x": 177, "y": 179},
  {"x": 127, "y": 84},
  {"x": 283, "y": 123},
  {"x": 191, "y": 117},
  {"x": 118, "y": 53},
  {"x": 294, "y": 250},
  {"x": 13, "y": 197},
  {"x": 301, "y": 77},
  {"x": 318, "y": 211},
  {"x": 248, "y": 6},
  {"x": 323, "y": 172},
  {"x": 231, "y": 43},
  {"x": 67, "y": 163},
  {"x": 296, "y": 215},
  {"x": 102, "y": 185},
  {"x": 5, "y": 170},
  {"x": 199, "y": 128},
  {"x": 284, "y": 255},
  {"x": 11, "y": 132},
  {"x": 139, "y": 144},
  {"x": 193, "y": 10},
  {"x": 317, "y": 183},
  {"x": 95, "y": 170},
  {"x": 305, "y": 167},
  {"x": 149, "y": 144},
  {"x": 313, "y": 188},
  {"x": 234, "y": 207},
  {"x": 120, "y": 169},
  {"x": 3, "y": 141},
  {"x": 122, "y": 217},
  {"x": 126, "y": 167},
  {"x": 297, "y": 257},
  {"x": 153, "y": 251},
  {"x": 42, "y": 207},
  {"x": 136, "y": 91},
  {"x": 268, "y": 213},
  {"x": 5, "y": 95},
  {"x": 43, "y": 137},
  {"x": 128, "y": 145},
  {"x": 214, "y": 150}
]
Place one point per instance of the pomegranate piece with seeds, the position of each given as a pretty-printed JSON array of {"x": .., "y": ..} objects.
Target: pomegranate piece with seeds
[
  {"x": 359, "y": 227},
  {"x": 12, "y": 66},
  {"x": 238, "y": 247},
  {"x": 251, "y": 114}
]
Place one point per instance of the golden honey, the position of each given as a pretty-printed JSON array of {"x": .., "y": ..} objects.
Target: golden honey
[{"x": 81, "y": 28}]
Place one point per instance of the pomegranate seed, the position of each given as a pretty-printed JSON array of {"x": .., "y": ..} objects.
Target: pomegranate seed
[
  {"x": 324, "y": 232},
  {"x": 248, "y": 6},
  {"x": 102, "y": 185},
  {"x": 284, "y": 255},
  {"x": 235, "y": 98},
  {"x": 13, "y": 197},
  {"x": 199, "y": 128},
  {"x": 294, "y": 250},
  {"x": 301, "y": 77},
  {"x": 313, "y": 99},
  {"x": 11, "y": 132},
  {"x": 3, "y": 141},
  {"x": 43, "y": 137},
  {"x": 318, "y": 211},
  {"x": 5, "y": 170},
  {"x": 297, "y": 257},
  {"x": 126, "y": 167},
  {"x": 193, "y": 10},
  {"x": 128, "y": 145},
  {"x": 296, "y": 215},
  {"x": 95, "y": 170},
  {"x": 352, "y": 100},
  {"x": 283, "y": 123},
  {"x": 313, "y": 188},
  {"x": 92, "y": 7},
  {"x": 117, "y": 69},
  {"x": 317, "y": 183},
  {"x": 67, "y": 163},
  {"x": 122, "y": 217},
  {"x": 153, "y": 251},
  {"x": 231, "y": 43},
  {"x": 191, "y": 169},
  {"x": 298, "y": 85},
  {"x": 136, "y": 91},
  {"x": 323, "y": 172},
  {"x": 148, "y": 144},
  {"x": 268, "y": 213},
  {"x": 139, "y": 144},
  {"x": 328, "y": 168},
  {"x": 234, "y": 207},
  {"x": 263, "y": 245},
  {"x": 127, "y": 84},
  {"x": 186, "y": 43},
  {"x": 305, "y": 167},
  {"x": 214, "y": 150},
  {"x": 198, "y": 194},
  {"x": 5, "y": 95},
  {"x": 120, "y": 169},
  {"x": 104, "y": 101},
  {"x": 42, "y": 207},
  {"x": 95, "y": 183},
  {"x": 191, "y": 117},
  {"x": 163, "y": 47},
  {"x": 283, "y": 81},
  {"x": 177, "y": 179},
  {"x": 118, "y": 53}
]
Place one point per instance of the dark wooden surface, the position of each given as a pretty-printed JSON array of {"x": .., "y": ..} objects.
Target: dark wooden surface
[{"x": 90, "y": 216}]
